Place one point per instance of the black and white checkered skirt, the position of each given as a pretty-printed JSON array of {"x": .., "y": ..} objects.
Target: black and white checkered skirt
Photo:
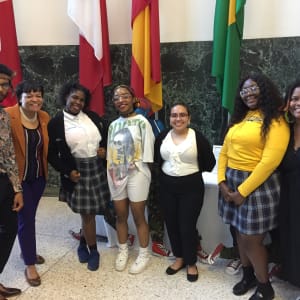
[
  {"x": 259, "y": 213},
  {"x": 91, "y": 194}
]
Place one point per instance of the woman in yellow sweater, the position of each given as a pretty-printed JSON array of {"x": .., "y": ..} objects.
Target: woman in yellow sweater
[{"x": 254, "y": 145}]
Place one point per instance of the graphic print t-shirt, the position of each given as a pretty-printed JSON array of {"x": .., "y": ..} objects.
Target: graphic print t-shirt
[{"x": 130, "y": 146}]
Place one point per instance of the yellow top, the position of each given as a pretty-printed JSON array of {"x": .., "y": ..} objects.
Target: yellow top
[{"x": 244, "y": 149}]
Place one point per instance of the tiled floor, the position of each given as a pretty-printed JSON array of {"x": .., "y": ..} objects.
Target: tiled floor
[{"x": 63, "y": 277}]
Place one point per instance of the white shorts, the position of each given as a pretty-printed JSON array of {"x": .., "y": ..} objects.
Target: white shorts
[{"x": 136, "y": 189}]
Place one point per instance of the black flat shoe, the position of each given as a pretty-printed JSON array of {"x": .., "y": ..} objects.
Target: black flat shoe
[
  {"x": 244, "y": 286},
  {"x": 9, "y": 292},
  {"x": 171, "y": 271},
  {"x": 192, "y": 277}
]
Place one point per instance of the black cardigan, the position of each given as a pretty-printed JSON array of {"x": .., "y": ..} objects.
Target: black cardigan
[
  {"x": 205, "y": 156},
  {"x": 59, "y": 153}
]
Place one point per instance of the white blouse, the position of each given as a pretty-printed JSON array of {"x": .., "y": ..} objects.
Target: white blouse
[
  {"x": 181, "y": 159},
  {"x": 82, "y": 135}
]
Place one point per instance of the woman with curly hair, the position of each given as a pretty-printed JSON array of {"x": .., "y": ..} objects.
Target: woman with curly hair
[
  {"x": 255, "y": 142},
  {"x": 77, "y": 149}
]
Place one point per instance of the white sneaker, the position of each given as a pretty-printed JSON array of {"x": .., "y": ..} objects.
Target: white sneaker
[
  {"x": 140, "y": 264},
  {"x": 233, "y": 267},
  {"x": 122, "y": 259}
]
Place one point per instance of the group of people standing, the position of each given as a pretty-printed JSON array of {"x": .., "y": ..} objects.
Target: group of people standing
[
  {"x": 97, "y": 163},
  {"x": 258, "y": 169}
]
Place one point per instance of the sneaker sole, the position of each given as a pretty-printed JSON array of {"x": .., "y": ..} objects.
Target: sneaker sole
[
  {"x": 120, "y": 269},
  {"x": 133, "y": 272}
]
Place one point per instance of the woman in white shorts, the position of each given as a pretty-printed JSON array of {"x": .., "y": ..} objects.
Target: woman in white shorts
[{"x": 129, "y": 150}]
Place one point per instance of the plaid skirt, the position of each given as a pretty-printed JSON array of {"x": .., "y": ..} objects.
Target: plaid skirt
[
  {"x": 91, "y": 194},
  {"x": 259, "y": 213}
]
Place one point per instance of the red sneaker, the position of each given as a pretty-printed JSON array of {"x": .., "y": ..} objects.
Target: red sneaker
[
  {"x": 158, "y": 249},
  {"x": 274, "y": 271},
  {"x": 75, "y": 235},
  {"x": 202, "y": 255},
  {"x": 130, "y": 240},
  {"x": 215, "y": 254}
]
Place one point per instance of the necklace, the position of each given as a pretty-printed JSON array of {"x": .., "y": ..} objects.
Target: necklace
[
  {"x": 31, "y": 120},
  {"x": 128, "y": 114}
]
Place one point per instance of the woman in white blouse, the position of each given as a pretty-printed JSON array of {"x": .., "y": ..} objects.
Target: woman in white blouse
[
  {"x": 182, "y": 154},
  {"x": 77, "y": 141}
]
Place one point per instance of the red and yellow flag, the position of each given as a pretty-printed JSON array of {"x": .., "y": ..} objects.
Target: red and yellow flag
[
  {"x": 9, "y": 53},
  {"x": 145, "y": 62}
]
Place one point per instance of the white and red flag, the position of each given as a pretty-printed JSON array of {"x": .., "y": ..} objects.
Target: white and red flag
[{"x": 94, "y": 55}]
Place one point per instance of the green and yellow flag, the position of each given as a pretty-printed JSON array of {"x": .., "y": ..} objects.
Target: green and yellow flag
[{"x": 228, "y": 34}]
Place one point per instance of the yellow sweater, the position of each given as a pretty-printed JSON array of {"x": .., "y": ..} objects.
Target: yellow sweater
[{"x": 244, "y": 149}]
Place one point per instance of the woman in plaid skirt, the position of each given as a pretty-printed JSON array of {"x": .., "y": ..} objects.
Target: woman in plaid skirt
[
  {"x": 255, "y": 142},
  {"x": 77, "y": 141}
]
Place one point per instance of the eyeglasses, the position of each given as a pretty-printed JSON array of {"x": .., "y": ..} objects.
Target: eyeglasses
[
  {"x": 122, "y": 96},
  {"x": 248, "y": 90},
  {"x": 180, "y": 115},
  {"x": 5, "y": 85}
]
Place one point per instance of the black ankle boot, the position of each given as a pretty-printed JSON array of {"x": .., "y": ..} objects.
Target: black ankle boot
[
  {"x": 248, "y": 282},
  {"x": 264, "y": 291}
]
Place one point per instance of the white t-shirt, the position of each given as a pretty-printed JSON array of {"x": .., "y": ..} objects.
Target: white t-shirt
[
  {"x": 129, "y": 146},
  {"x": 181, "y": 159}
]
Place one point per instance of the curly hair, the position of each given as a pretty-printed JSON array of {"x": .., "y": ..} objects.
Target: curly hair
[
  {"x": 27, "y": 86},
  {"x": 71, "y": 87},
  {"x": 269, "y": 102}
]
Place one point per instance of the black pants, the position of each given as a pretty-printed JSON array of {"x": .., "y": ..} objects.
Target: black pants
[
  {"x": 8, "y": 220},
  {"x": 181, "y": 200}
]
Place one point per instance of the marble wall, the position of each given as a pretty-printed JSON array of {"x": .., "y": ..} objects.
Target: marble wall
[{"x": 186, "y": 69}]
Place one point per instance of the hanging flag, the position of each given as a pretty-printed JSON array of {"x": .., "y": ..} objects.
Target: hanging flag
[
  {"x": 9, "y": 54},
  {"x": 94, "y": 54},
  {"x": 145, "y": 61},
  {"x": 228, "y": 34}
]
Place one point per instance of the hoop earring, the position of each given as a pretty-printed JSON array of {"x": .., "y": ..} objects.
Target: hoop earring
[{"x": 290, "y": 119}]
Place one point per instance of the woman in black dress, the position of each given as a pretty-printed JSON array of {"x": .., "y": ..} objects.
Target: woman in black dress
[{"x": 290, "y": 192}]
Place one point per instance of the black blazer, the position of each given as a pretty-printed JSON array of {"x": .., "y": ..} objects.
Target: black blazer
[
  {"x": 206, "y": 158},
  {"x": 59, "y": 153}
]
